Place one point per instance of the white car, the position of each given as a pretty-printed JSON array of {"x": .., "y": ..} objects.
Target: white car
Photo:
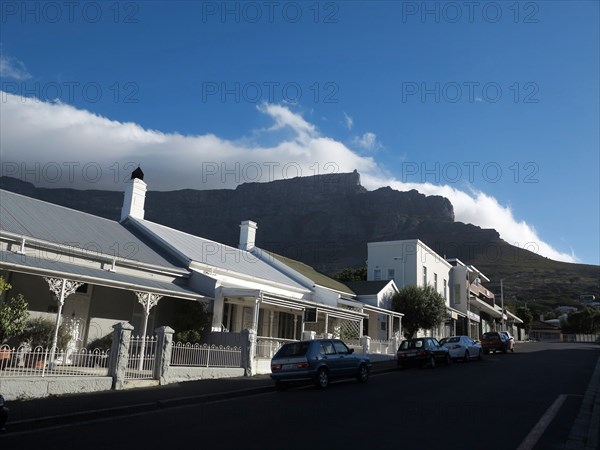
[{"x": 462, "y": 347}]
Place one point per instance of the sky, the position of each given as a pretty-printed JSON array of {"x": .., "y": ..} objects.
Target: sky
[{"x": 494, "y": 105}]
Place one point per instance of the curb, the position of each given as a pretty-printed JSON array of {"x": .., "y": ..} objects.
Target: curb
[
  {"x": 585, "y": 432},
  {"x": 33, "y": 424}
]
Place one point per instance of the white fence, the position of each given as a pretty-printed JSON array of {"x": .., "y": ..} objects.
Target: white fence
[
  {"x": 204, "y": 355},
  {"x": 142, "y": 354},
  {"x": 581, "y": 338},
  {"x": 356, "y": 345},
  {"x": 267, "y": 347},
  {"x": 25, "y": 361},
  {"x": 383, "y": 347}
]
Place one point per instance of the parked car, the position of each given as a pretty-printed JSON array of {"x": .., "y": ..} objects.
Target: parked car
[
  {"x": 421, "y": 352},
  {"x": 3, "y": 413},
  {"x": 510, "y": 338},
  {"x": 496, "y": 341},
  {"x": 319, "y": 361},
  {"x": 462, "y": 347}
]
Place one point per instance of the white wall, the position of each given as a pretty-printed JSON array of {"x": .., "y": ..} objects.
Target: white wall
[{"x": 407, "y": 258}]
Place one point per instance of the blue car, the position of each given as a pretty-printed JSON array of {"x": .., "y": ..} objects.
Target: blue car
[{"x": 319, "y": 361}]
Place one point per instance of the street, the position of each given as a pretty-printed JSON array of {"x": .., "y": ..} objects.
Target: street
[{"x": 490, "y": 404}]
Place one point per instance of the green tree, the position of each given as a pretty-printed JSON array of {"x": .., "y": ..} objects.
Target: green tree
[
  {"x": 13, "y": 314},
  {"x": 351, "y": 274},
  {"x": 585, "y": 321},
  {"x": 422, "y": 308},
  {"x": 191, "y": 321},
  {"x": 525, "y": 314}
]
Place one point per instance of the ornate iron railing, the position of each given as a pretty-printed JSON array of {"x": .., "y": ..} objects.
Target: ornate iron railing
[{"x": 25, "y": 361}]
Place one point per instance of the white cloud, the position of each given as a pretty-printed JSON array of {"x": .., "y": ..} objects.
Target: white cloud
[
  {"x": 57, "y": 145},
  {"x": 13, "y": 68},
  {"x": 349, "y": 121},
  {"x": 367, "y": 141}
]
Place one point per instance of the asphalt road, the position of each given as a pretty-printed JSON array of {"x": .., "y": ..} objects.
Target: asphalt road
[{"x": 490, "y": 404}]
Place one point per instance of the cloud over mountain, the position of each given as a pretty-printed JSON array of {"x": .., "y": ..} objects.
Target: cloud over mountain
[{"x": 58, "y": 145}]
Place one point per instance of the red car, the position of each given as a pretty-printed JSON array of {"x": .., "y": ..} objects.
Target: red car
[{"x": 496, "y": 341}]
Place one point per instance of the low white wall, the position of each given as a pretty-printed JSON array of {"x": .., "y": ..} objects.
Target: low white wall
[
  {"x": 35, "y": 387},
  {"x": 262, "y": 366},
  {"x": 177, "y": 374}
]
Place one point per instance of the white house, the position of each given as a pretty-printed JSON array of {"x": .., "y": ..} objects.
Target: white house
[{"x": 411, "y": 262}]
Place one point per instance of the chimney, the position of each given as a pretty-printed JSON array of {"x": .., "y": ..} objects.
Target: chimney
[
  {"x": 135, "y": 196},
  {"x": 247, "y": 235}
]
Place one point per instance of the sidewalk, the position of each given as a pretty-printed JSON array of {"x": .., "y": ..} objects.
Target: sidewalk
[{"x": 38, "y": 413}]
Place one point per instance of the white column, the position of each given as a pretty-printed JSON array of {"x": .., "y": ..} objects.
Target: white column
[
  {"x": 148, "y": 301},
  {"x": 61, "y": 288}
]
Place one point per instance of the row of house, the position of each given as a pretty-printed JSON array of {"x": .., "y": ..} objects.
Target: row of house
[{"x": 94, "y": 272}]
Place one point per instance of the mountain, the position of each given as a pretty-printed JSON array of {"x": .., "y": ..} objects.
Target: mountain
[{"x": 326, "y": 221}]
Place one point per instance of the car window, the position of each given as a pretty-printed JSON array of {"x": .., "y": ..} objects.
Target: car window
[
  {"x": 293, "y": 349},
  {"x": 340, "y": 347},
  {"x": 450, "y": 340},
  {"x": 327, "y": 348}
]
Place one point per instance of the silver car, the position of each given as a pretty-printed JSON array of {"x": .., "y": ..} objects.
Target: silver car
[
  {"x": 462, "y": 347},
  {"x": 319, "y": 361}
]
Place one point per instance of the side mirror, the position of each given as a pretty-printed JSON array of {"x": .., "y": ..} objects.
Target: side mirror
[{"x": 350, "y": 350}]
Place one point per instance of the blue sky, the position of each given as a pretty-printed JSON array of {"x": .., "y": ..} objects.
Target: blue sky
[{"x": 493, "y": 104}]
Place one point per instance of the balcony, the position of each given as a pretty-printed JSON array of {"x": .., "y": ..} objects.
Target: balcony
[{"x": 477, "y": 289}]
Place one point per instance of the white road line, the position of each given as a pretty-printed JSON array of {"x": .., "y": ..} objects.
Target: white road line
[{"x": 538, "y": 430}]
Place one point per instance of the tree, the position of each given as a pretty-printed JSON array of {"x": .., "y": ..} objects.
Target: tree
[
  {"x": 584, "y": 321},
  {"x": 190, "y": 322},
  {"x": 13, "y": 314},
  {"x": 350, "y": 274},
  {"x": 524, "y": 313},
  {"x": 422, "y": 308}
]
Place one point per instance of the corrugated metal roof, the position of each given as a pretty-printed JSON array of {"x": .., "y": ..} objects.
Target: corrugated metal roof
[
  {"x": 51, "y": 267},
  {"x": 309, "y": 272},
  {"x": 45, "y": 221},
  {"x": 216, "y": 254}
]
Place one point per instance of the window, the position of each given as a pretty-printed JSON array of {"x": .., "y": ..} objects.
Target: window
[
  {"x": 383, "y": 326},
  {"x": 327, "y": 348},
  {"x": 424, "y": 276},
  {"x": 340, "y": 347},
  {"x": 391, "y": 274},
  {"x": 435, "y": 281},
  {"x": 445, "y": 290},
  {"x": 457, "y": 293},
  {"x": 377, "y": 274}
]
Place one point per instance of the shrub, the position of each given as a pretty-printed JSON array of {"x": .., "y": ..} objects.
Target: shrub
[{"x": 40, "y": 332}]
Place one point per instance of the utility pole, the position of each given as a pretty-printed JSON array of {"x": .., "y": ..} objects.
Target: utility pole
[{"x": 502, "y": 304}]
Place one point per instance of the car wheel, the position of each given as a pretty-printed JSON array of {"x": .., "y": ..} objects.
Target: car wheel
[
  {"x": 322, "y": 380},
  {"x": 504, "y": 349},
  {"x": 466, "y": 357},
  {"x": 363, "y": 374},
  {"x": 486, "y": 352},
  {"x": 480, "y": 355}
]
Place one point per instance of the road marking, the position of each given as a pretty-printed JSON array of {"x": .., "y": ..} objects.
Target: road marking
[{"x": 538, "y": 430}]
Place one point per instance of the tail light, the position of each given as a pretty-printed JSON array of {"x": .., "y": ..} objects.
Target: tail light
[
  {"x": 421, "y": 353},
  {"x": 302, "y": 365},
  {"x": 275, "y": 367}
]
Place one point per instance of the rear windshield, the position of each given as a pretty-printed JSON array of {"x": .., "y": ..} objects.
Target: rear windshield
[
  {"x": 406, "y": 345},
  {"x": 490, "y": 335},
  {"x": 293, "y": 349}
]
